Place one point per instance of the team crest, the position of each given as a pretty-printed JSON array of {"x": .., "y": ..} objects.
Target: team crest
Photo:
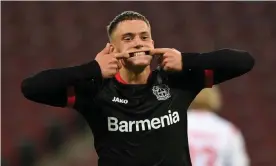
[{"x": 162, "y": 92}]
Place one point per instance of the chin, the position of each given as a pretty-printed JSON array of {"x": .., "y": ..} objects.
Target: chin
[{"x": 139, "y": 69}]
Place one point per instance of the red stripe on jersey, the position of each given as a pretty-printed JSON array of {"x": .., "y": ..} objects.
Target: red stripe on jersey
[
  {"x": 119, "y": 78},
  {"x": 71, "y": 98},
  {"x": 209, "y": 78}
]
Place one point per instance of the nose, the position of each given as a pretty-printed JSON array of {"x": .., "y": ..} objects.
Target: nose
[
  {"x": 138, "y": 43},
  {"x": 138, "y": 46}
]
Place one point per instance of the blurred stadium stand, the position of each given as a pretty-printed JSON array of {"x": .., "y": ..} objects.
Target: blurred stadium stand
[{"x": 41, "y": 35}]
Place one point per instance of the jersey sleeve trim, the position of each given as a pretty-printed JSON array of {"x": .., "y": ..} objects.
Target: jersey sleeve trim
[
  {"x": 209, "y": 78},
  {"x": 71, "y": 97}
]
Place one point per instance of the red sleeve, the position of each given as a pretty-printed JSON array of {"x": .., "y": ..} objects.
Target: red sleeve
[{"x": 209, "y": 78}]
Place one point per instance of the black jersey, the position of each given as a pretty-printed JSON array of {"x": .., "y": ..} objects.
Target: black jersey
[{"x": 138, "y": 125}]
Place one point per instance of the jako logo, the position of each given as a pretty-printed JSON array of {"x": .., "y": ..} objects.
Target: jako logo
[
  {"x": 118, "y": 100},
  {"x": 128, "y": 126}
]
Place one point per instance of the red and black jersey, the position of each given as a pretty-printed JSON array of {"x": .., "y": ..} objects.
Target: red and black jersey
[{"x": 137, "y": 125}]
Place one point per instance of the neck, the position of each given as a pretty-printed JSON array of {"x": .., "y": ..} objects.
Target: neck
[{"x": 132, "y": 77}]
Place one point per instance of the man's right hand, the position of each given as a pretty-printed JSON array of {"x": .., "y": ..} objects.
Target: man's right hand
[{"x": 109, "y": 62}]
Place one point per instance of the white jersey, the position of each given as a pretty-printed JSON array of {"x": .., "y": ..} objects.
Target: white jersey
[{"x": 215, "y": 141}]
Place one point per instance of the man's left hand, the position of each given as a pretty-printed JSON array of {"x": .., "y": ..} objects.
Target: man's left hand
[{"x": 171, "y": 59}]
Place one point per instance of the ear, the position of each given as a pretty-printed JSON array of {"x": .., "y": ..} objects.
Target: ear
[
  {"x": 152, "y": 42},
  {"x": 112, "y": 48}
]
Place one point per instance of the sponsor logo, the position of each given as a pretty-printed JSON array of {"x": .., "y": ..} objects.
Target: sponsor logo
[
  {"x": 118, "y": 100},
  {"x": 141, "y": 125}
]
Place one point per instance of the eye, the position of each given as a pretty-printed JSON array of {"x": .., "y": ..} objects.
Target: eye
[
  {"x": 145, "y": 37},
  {"x": 127, "y": 38}
]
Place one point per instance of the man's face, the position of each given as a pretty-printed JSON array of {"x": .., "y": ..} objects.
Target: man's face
[{"x": 133, "y": 36}]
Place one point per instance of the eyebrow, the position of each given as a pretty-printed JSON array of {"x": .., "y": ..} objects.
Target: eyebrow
[{"x": 131, "y": 34}]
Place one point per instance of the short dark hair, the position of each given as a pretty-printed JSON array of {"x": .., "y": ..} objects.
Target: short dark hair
[{"x": 126, "y": 15}]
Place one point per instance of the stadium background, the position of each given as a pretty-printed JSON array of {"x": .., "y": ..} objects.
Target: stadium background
[{"x": 41, "y": 35}]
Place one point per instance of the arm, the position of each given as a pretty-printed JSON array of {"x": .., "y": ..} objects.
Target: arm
[
  {"x": 53, "y": 86},
  {"x": 236, "y": 153},
  {"x": 216, "y": 67}
]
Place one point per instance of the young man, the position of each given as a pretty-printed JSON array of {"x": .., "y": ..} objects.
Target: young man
[
  {"x": 138, "y": 116},
  {"x": 214, "y": 141}
]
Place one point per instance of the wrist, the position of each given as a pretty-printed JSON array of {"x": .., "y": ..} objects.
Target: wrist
[
  {"x": 92, "y": 70},
  {"x": 189, "y": 60}
]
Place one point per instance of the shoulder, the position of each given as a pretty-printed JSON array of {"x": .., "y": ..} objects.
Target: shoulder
[
  {"x": 84, "y": 91},
  {"x": 228, "y": 126}
]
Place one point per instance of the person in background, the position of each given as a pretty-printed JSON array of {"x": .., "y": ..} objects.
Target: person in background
[{"x": 213, "y": 140}]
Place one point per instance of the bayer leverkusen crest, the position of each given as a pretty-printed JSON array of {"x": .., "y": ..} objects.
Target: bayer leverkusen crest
[{"x": 162, "y": 92}]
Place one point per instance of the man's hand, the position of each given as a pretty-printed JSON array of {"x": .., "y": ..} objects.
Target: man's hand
[
  {"x": 108, "y": 61},
  {"x": 170, "y": 60}
]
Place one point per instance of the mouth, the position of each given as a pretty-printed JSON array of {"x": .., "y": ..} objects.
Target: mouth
[{"x": 133, "y": 54}]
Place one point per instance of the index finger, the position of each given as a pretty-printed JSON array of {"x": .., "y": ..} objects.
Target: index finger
[
  {"x": 158, "y": 51},
  {"x": 121, "y": 55}
]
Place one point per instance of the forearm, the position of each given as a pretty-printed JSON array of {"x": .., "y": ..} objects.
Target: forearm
[
  {"x": 225, "y": 64},
  {"x": 50, "y": 86}
]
